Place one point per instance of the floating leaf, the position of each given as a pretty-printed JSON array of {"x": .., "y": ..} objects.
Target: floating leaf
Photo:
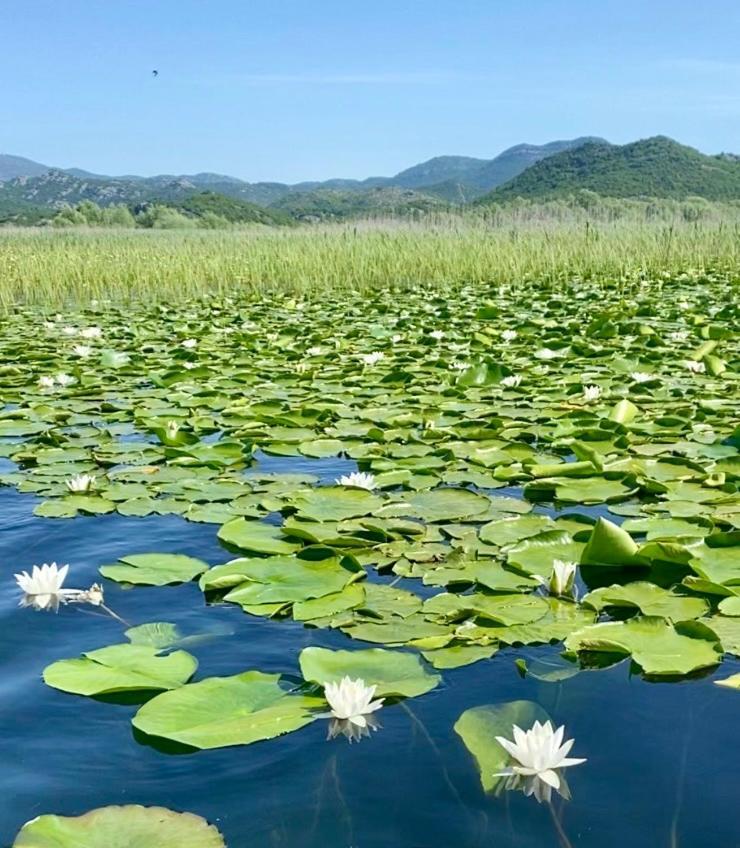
[
  {"x": 120, "y": 827},
  {"x": 154, "y": 569},
  {"x": 121, "y": 668},
  {"x": 223, "y": 711},
  {"x": 392, "y": 672},
  {"x": 661, "y": 649}
]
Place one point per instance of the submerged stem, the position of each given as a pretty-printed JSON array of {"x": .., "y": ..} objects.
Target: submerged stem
[{"x": 562, "y": 835}]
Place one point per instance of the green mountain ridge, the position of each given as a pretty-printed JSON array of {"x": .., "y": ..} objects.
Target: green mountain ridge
[{"x": 652, "y": 167}]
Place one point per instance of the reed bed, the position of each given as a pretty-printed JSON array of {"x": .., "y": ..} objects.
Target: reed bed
[{"x": 51, "y": 267}]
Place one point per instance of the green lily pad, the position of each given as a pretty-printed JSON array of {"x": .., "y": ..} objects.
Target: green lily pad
[
  {"x": 392, "y": 672},
  {"x": 154, "y": 569},
  {"x": 222, "y": 711},
  {"x": 650, "y": 599},
  {"x": 121, "y": 668},
  {"x": 661, "y": 649},
  {"x": 131, "y": 826},
  {"x": 256, "y": 537}
]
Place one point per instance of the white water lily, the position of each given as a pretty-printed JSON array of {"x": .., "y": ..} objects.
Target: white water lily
[
  {"x": 46, "y": 382},
  {"x": 396, "y": 338},
  {"x": 117, "y": 358},
  {"x": 81, "y": 483},
  {"x": 591, "y": 393},
  {"x": 171, "y": 429},
  {"x": 563, "y": 577},
  {"x": 352, "y": 708},
  {"x": 512, "y": 381},
  {"x": 91, "y": 333},
  {"x": 679, "y": 335},
  {"x": 313, "y": 351},
  {"x": 69, "y": 331},
  {"x": 539, "y": 753},
  {"x": 49, "y": 325},
  {"x": 358, "y": 480},
  {"x": 546, "y": 353},
  {"x": 372, "y": 358},
  {"x": 509, "y": 335},
  {"x": 82, "y": 351},
  {"x": 64, "y": 380},
  {"x": 694, "y": 366},
  {"x": 459, "y": 366},
  {"x": 42, "y": 588},
  {"x": 189, "y": 344},
  {"x": 437, "y": 334},
  {"x": 641, "y": 376}
]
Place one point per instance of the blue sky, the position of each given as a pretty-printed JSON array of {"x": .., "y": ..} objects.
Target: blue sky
[{"x": 290, "y": 90}]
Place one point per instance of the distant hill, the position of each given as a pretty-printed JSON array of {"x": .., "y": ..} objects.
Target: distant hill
[
  {"x": 18, "y": 166},
  {"x": 229, "y": 208},
  {"x": 653, "y": 167},
  {"x": 334, "y": 205}
]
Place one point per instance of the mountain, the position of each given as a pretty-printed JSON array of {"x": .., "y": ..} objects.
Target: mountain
[
  {"x": 441, "y": 169},
  {"x": 652, "y": 167},
  {"x": 453, "y": 178},
  {"x": 18, "y": 166}
]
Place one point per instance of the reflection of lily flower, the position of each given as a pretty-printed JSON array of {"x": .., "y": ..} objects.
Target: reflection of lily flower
[
  {"x": 81, "y": 483},
  {"x": 591, "y": 393},
  {"x": 372, "y": 358},
  {"x": 512, "y": 381},
  {"x": 358, "y": 479},
  {"x": 539, "y": 753},
  {"x": 694, "y": 366},
  {"x": 509, "y": 335},
  {"x": 42, "y": 588},
  {"x": 352, "y": 705}
]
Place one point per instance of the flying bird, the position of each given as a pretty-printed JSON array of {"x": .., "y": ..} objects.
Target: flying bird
[{"x": 155, "y": 73}]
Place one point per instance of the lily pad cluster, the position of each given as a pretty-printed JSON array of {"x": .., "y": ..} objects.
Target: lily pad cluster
[{"x": 504, "y": 428}]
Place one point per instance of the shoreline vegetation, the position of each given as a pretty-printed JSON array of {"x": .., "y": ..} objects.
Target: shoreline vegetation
[{"x": 617, "y": 242}]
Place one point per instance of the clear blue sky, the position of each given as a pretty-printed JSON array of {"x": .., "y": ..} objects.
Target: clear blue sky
[{"x": 291, "y": 89}]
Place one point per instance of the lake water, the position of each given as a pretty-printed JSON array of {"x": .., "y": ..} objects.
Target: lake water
[{"x": 662, "y": 757}]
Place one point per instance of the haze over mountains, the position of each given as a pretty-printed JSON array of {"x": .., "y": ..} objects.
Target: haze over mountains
[{"x": 655, "y": 167}]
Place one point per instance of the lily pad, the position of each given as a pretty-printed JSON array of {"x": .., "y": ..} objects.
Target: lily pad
[
  {"x": 154, "y": 569},
  {"x": 222, "y": 711},
  {"x": 661, "y": 649},
  {"x": 131, "y": 826},
  {"x": 121, "y": 668},
  {"x": 392, "y": 672}
]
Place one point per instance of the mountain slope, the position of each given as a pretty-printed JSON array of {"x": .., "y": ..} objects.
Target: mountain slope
[
  {"x": 18, "y": 166},
  {"x": 653, "y": 167}
]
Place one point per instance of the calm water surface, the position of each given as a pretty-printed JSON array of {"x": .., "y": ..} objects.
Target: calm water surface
[{"x": 662, "y": 757}]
